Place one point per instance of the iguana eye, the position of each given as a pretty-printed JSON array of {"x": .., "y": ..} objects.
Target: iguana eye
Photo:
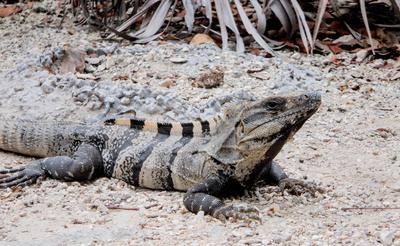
[{"x": 272, "y": 105}]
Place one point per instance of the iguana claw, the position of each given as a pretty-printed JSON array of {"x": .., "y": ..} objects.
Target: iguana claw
[
  {"x": 298, "y": 187},
  {"x": 20, "y": 176}
]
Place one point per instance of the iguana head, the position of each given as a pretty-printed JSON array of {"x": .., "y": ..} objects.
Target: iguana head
[
  {"x": 274, "y": 119},
  {"x": 262, "y": 128}
]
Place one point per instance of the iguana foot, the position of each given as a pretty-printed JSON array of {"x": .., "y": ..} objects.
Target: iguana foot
[
  {"x": 298, "y": 187},
  {"x": 20, "y": 176},
  {"x": 238, "y": 212}
]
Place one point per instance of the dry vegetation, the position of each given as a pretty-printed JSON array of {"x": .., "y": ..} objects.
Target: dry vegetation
[
  {"x": 369, "y": 27},
  {"x": 311, "y": 26}
]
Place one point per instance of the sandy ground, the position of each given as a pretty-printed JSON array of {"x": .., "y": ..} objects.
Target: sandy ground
[{"x": 350, "y": 147}]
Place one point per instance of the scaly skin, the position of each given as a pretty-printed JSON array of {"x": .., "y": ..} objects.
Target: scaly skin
[{"x": 206, "y": 159}]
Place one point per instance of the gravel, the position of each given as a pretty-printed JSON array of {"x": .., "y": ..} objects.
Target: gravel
[{"x": 350, "y": 147}]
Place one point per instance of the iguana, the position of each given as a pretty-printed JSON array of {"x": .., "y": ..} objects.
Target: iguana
[{"x": 207, "y": 159}]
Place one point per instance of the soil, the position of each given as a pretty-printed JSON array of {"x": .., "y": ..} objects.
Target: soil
[{"x": 350, "y": 147}]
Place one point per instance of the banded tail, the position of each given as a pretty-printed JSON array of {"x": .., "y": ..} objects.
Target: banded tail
[
  {"x": 188, "y": 129},
  {"x": 40, "y": 138}
]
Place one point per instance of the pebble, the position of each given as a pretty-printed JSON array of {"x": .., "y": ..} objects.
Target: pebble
[
  {"x": 396, "y": 186},
  {"x": 386, "y": 238},
  {"x": 200, "y": 216},
  {"x": 18, "y": 88},
  {"x": 178, "y": 60},
  {"x": 125, "y": 101},
  {"x": 47, "y": 89},
  {"x": 93, "y": 60},
  {"x": 89, "y": 68}
]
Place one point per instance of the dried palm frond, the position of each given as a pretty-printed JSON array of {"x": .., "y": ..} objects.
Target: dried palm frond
[
  {"x": 224, "y": 17},
  {"x": 233, "y": 20}
]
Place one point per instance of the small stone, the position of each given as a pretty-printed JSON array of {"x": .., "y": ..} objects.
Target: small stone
[
  {"x": 47, "y": 89},
  {"x": 396, "y": 186},
  {"x": 18, "y": 88},
  {"x": 86, "y": 76},
  {"x": 248, "y": 232},
  {"x": 296, "y": 56},
  {"x": 125, "y": 101},
  {"x": 200, "y": 215},
  {"x": 129, "y": 93},
  {"x": 95, "y": 105},
  {"x": 236, "y": 74},
  {"x": 102, "y": 67},
  {"x": 386, "y": 238},
  {"x": 89, "y": 68},
  {"x": 93, "y": 60},
  {"x": 178, "y": 60},
  {"x": 378, "y": 63},
  {"x": 109, "y": 62}
]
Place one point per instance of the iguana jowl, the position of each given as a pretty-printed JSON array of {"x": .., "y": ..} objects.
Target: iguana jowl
[{"x": 207, "y": 159}]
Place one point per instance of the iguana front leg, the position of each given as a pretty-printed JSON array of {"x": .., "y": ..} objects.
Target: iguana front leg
[
  {"x": 275, "y": 174},
  {"x": 85, "y": 162},
  {"x": 202, "y": 197}
]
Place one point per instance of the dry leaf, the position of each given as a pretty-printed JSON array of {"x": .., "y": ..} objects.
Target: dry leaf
[
  {"x": 211, "y": 79},
  {"x": 123, "y": 77},
  {"x": 335, "y": 49},
  {"x": 346, "y": 40},
  {"x": 73, "y": 61},
  {"x": 168, "y": 83},
  {"x": 255, "y": 51},
  {"x": 9, "y": 10},
  {"x": 335, "y": 60}
]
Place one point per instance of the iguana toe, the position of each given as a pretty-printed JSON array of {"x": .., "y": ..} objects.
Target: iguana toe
[
  {"x": 21, "y": 176},
  {"x": 11, "y": 170}
]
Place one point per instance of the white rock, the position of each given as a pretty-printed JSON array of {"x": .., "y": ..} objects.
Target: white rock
[
  {"x": 178, "y": 60},
  {"x": 386, "y": 238}
]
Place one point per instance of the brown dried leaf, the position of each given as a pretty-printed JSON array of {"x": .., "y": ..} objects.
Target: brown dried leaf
[
  {"x": 9, "y": 10},
  {"x": 335, "y": 49},
  {"x": 168, "y": 83},
  {"x": 202, "y": 38},
  {"x": 211, "y": 79},
  {"x": 123, "y": 77},
  {"x": 337, "y": 61},
  {"x": 255, "y": 51},
  {"x": 73, "y": 61}
]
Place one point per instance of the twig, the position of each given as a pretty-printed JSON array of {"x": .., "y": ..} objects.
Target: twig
[
  {"x": 151, "y": 205},
  {"x": 122, "y": 208},
  {"x": 370, "y": 208}
]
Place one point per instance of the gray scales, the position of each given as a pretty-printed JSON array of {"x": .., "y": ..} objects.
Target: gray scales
[{"x": 208, "y": 159}]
